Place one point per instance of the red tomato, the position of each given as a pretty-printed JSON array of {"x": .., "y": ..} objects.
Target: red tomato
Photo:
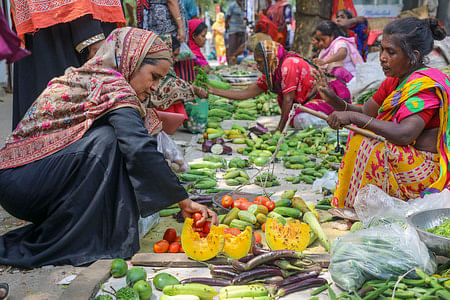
[
  {"x": 198, "y": 229},
  {"x": 235, "y": 231},
  {"x": 227, "y": 201},
  {"x": 244, "y": 205},
  {"x": 263, "y": 200},
  {"x": 237, "y": 203},
  {"x": 257, "y": 237},
  {"x": 170, "y": 235},
  {"x": 242, "y": 199},
  {"x": 197, "y": 217},
  {"x": 161, "y": 246},
  {"x": 174, "y": 247},
  {"x": 263, "y": 227},
  {"x": 178, "y": 239},
  {"x": 181, "y": 249},
  {"x": 270, "y": 205},
  {"x": 228, "y": 230},
  {"x": 257, "y": 200},
  {"x": 207, "y": 227}
]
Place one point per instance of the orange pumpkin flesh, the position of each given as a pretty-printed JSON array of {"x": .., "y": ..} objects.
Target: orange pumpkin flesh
[
  {"x": 199, "y": 248},
  {"x": 294, "y": 235},
  {"x": 238, "y": 246}
]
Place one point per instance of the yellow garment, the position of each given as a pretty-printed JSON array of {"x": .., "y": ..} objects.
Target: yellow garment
[
  {"x": 219, "y": 28},
  {"x": 410, "y": 170}
]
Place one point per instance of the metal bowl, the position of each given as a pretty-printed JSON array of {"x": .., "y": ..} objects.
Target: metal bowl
[{"x": 428, "y": 219}]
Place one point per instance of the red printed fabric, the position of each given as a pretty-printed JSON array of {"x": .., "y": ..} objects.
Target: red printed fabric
[
  {"x": 31, "y": 15},
  {"x": 296, "y": 76}
]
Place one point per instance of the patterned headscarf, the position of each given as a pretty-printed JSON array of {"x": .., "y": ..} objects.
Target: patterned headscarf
[
  {"x": 273, "y": 54},
  {"x": 71, "y": 103}
]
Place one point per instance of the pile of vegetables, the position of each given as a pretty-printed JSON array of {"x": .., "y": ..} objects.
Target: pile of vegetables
[
  {"x": 201, "y": 79},
  {"x": 171, "y": 242},
  {"x": 426, "y": 287},
  {"x": 138, "y": 288},
  {"x": 235, "y": 176},
  {"x": 282, "y": 271},
  {"x": 266, "y": 179},
  {"x": 443, "y": 229}
]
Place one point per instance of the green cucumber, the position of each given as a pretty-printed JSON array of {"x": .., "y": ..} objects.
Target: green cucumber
[
  {"x": 247, "y": 216},
  {"x": 240, "y": 224},
  {"x": 231, "y": 174},
  {"x": 240, "y": 291},
  {"x": 288, "y": 212},
  {"x": 261, "y": 218},
  {"x": 232, "y": 182},
  {"x": 169, "y": 211},
  {"x": 204, "y": 292},
  {"x": 230, "y": 216},
  {"x": 283, "y": 203}
]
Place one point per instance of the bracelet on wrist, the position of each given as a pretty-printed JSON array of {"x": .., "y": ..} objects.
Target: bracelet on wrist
[{"x": 368, "y": 122}]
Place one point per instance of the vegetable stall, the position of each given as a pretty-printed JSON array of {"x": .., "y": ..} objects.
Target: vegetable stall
[{"x": 277, "y": 236}]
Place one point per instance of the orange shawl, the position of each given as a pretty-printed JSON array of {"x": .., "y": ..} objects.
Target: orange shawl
[{"x": 31, "y": 15}]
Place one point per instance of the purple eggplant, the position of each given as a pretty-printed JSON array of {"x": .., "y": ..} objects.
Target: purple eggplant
[
  {"x": 297, "y": 286},
  {"x": 207, "y": 281},
  {"x": 259, "y": 129},
  {"x": 219, "y": 141},
  {"x": 268, "y": 280},
  {"x": 258, "y": 250},
  {"x": 270, "y": 256},
  {"x": 227, "y": 149},
  {"x": 255, "y": 274},
  {"x": 246, "y": 258},
  {"x": 297, "y": 277},
  {"x": 206, "y": 146},
  {"x": 222, "y": 273}
]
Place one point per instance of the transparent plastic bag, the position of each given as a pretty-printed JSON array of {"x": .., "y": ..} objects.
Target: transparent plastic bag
[
  {"x": 304, "y": 120},
  {"x": 372, "y": 201},
  {"x": 172, "y": 154},
  {"x": 328, "y": 181},
  {"x": 185, "y": 52},
  {"x": 383, "y": 251}
]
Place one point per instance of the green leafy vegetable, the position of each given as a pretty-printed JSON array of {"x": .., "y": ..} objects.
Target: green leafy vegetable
[{"x": 443, "y": 229}]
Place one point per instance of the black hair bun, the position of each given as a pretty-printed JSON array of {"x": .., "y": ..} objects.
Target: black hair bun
[{"x": 437, "y": 30}]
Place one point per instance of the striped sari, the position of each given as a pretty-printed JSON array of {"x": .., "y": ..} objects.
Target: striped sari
[{"x": 409, "y": 173}]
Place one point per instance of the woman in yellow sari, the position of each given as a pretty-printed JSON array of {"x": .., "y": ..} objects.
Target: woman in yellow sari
[
  {"x": 410, "y": 110},
  {"x": 218, "y": 30}
]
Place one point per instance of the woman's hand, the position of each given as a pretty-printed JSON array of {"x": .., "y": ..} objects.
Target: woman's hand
[
  {"x": 321, "y": 84},
  {"x": 181, "y": 36},
  {"x": 339, "y": 119},
  {"x": 200, "y": 92},
  {"x": 319, "y": 62},
  {"x": 189, "y": 207}
]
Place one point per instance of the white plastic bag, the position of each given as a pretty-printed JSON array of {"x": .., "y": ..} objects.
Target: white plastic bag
[
  {"x": 185, "y": 52},
  {"x": 328, "y": 181},
  {"x": 384, "y": 251},
  {"x": 371, "y": 202},
  {"x": 172, "y": 154},
  {"x": 147, "y": 223}
]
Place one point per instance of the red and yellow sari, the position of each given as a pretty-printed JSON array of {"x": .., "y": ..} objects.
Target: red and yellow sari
[{"x": 411, "y": 173}]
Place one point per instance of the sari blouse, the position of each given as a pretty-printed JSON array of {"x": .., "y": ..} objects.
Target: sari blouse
[
  {"x": 430, "y": 116},
  {"x": 296, "y": 76}
]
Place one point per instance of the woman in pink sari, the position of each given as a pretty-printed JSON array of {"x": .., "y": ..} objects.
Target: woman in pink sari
[
  {"x": 337, "y": 50},
  {"x": 197, "y": 39}
]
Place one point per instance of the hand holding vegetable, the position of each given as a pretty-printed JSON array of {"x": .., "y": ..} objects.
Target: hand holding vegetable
[
  {"x": 201, "y": 92},
  {"x": 189, "y": 207}
]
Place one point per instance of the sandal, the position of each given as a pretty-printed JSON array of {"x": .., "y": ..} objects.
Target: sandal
[{"x": 4, "y": 286}]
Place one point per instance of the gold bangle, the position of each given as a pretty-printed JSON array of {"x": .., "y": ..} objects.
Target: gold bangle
[
  {"x": 368, "y": 122},
  {"x": 346, "y": 105},
  {"x": 178, "y": 18}
]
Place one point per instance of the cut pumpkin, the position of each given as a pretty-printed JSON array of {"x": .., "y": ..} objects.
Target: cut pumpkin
[
  {"x": 294, "y": 235},
  {"x": 238, "y": 246},
  {"x": 199, "y": 248}
]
